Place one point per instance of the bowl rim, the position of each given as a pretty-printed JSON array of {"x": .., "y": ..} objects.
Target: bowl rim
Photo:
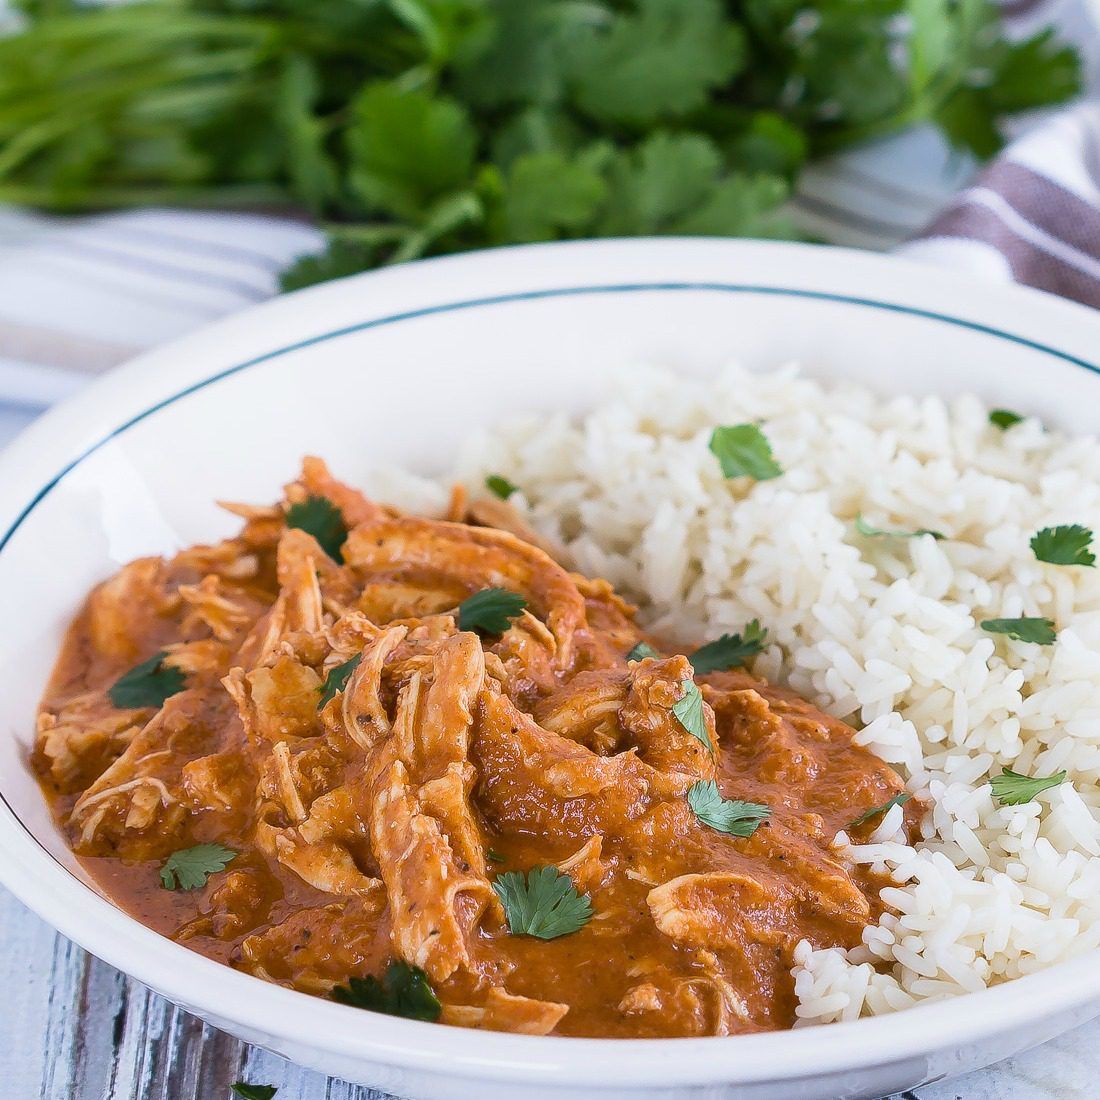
[{"x": 278, "y": 1016}]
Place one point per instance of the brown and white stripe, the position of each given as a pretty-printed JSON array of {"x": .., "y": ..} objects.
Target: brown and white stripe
[{"x": 1037, "y": 207}]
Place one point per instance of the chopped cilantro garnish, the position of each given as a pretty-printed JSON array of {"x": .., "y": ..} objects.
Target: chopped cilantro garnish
[
  {"x": 254, "y": 1092},
  {"x": 726, "y": 815},
  {"x": 403, "y": 991},
  {"x": 730, "y": 650},
  {"x": 641, "y": 651},
  {"x": 337, "y": 679},
  {"x": 147, "y": 684},
  {"x": 1065, "y": 545},
  {"x": 1004, "y": 418},
  {"x": 744, "y": 451},
  {"x": 1025, "y": 629},
  {"x": 490, "y": 611},
  {"x": 1012, "y": 789},
  {"x": 493, "y": 856},
  {"x": 319, "y": 517},
  {"x": 544, "y": 904},
  {"x": 869, "y": 532},
  {"x": 189, "y": 868},
  {"x": 690, "y": 714},
  {"x": 500, "y": 486},
  {"x": 875, "y": 811}
]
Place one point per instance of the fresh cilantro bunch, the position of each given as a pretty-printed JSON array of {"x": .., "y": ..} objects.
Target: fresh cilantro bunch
[{"x": 419, "y": 127}]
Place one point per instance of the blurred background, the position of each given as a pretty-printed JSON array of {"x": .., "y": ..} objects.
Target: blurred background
[
  {"x": 164, "y": 162},
  {"x": 167, "y": 162}
]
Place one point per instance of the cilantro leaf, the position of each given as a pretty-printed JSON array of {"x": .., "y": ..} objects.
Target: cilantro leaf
[
  {"x": 641, "y": 651},
  {"x": 657, "y": 61},
  {"x": 341, "y": 258},
  {"x": 661, "y": 180},
  {"x": 189, "y": 868},
  {"x": 690, "y": 714},
  {"x": 544, "y": 904},
  {"x": 744, "y": 451},
  {"x": 524, "y": 58},
  {"x": 679, "y": 183},
  {"x": 1025, "y": 629},
  {"x": 1034, "y": 72},
  {"x": 875, "y": 811},
  {"x": 408, "y": 149},
  {"x": 730, "y": 650},
  {"x": 742, "y": 206},
  {"x": 870, "y": 532},
  {"x": 994, "y": 77},
  {"x": 337, "y": 679},
  {"x": 546, "y": 195},
  {"x": 254, "y": 1092},
  {"x": 1012, "y": 789},
  {"x": 319, "y": 517},
  {"x": 1004, "y": 418},
  {"x": 490, "y": 611},
  {"x": 403, "y": 991},
  {"x": 1066, "y": 545},
  {"x": 148, "y": 684},
  {"x": 312, "y": 169},
  {"x": 930, "y": 40},
  {"x": 500, "y": 486},
  {"x": 726, "y": 815}
]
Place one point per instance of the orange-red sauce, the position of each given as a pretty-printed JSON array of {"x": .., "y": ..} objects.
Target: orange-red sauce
[{"x": 363, "y": 826}]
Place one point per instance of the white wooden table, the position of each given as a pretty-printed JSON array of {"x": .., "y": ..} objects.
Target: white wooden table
[{"x": 73, "y": 1028}]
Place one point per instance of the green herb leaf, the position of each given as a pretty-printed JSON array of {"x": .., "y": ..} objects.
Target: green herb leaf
[
  {"x": 493, "y": 856},
  {"x": 930, "y": 40},
  {"x": 1004, "y": 418},
  {"x": 546, "y": 195},
  {"x": 308, "y": 162},
  {"x": 499, "y": 486},
  {"x": 1012, "y": 789},
  {"x": 544, "y": 904},
  {"x": 403, "y": 991},
  {"x": 690, "y": 714},
  {"x": 189, "y": 868},
  {"x": 254, "y": 1092},
  {"x": 408, "y": 149},
  {"x": 726, "y": 815},
  {"x": 490, "y": 611},
  {"x": 679, "y": 183},
  {"x": 875, "y": 811},
  {"x": 147, "y": 684},
  {"x": 337, "y": 679},
  {"x": 641, "y": 651},
  {"x": 655, "y": 62},
  {"x": 1039, "y": 631},
  {"x": 744, "y": 451},
  {"x": 1066, "y": 545},
  {"x": 319, "y": 517},
  {"x": 869, "y": 532},
  {"x": 730, "y": 650},
  {"x": 406, "y": 117}
]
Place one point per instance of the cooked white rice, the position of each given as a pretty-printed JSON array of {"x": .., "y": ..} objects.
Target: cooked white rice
[{"x": 880, "y": 632}]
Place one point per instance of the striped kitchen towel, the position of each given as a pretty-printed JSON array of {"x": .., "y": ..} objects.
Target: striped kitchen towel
[{"x": 1033, "y": 215}]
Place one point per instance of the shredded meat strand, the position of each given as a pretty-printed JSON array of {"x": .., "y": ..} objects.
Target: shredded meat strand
[{"x": 370, "y": 825}]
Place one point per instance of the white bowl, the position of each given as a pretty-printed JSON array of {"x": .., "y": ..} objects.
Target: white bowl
[{"x": 394, "y": 368}]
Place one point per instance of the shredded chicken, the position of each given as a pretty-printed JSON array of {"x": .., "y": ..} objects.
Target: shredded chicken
[{"x": 374, "y": 769}]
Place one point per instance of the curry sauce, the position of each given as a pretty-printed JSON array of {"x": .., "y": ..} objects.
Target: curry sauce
[{"x": 374, "y": 769}]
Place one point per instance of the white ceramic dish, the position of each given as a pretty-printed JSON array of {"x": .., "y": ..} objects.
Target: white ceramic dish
[{"x": 393, "y": 368}]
